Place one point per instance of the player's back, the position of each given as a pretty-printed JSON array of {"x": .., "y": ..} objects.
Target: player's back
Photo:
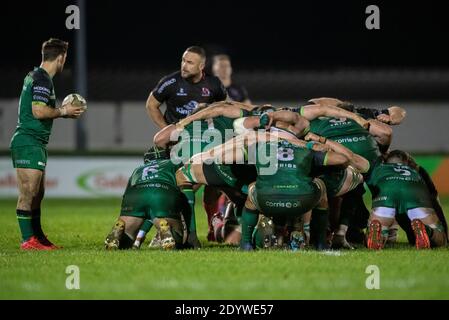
[
  {"x": 348, "y": 133},
  {"x": 291, "y": 167},
  {"x": 155, "y": 172},
  {"x": 395, "y": 174}
]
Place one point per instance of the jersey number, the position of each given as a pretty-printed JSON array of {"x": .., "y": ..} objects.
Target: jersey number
[
  {"x": 402, "y": 172},
  {"x": 285, "y": 154}
]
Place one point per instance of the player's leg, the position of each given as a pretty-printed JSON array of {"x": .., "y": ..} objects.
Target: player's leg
[
  {"x": 186, "y": 177},
  {"x": 36, "y": 215},
  {"x": 380, "y": 220},
  {"x": 428, "y": 229},
  {"x": 141, "y": 235},
  {"x": 320, "y": 217},
  {"x": 250, "y": 218},
  {"x": 211, "y": 196},
  {"x": 124, "y": 231},
  {"x": 29, "y": 182},
  {"x": 338, "y": 184}
]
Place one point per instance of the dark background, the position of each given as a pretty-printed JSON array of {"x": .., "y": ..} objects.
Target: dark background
[{"x": 136, "y": 42}]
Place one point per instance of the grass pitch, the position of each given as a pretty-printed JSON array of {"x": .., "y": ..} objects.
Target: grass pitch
[{"x": 215, "y": 272}]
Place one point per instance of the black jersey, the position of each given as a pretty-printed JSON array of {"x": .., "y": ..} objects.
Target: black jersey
[
  {"x": 237, "y": 93},
  {"x": 182, "y": 96}
]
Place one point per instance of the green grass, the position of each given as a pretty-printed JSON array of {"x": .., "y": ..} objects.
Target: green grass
[{"x": 215, "y": 272}]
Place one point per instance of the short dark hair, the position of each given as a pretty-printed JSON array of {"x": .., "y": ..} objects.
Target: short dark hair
[
  {"x": 220, "y": 57},
  {"x": 398, "y": 155},
  {"x": 198, "y": 50},
  {"x": 52, "y": 48}
]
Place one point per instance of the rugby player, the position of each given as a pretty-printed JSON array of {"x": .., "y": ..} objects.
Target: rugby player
[
  {"x": 151, "y": 196},
  {"x": 397, "y": 189},
  {"x": 183, "y": 90},
  {"x": 37, "y": 110}
]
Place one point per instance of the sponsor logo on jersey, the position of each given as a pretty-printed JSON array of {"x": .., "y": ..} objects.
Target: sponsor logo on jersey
[
  {"x": 205, "y": 92},
  {"x": 181, "y": 92},
  {"x": 187, "y": 108},
  {"x": 41, "y": 163},
  {"x": 282, "y": 204},
  {"x": 166, "y": 84}
]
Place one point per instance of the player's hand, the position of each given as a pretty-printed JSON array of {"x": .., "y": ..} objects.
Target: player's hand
[
  {"x": 72, "y": 111},
  {"x": 385, "y": 118},
  {"x": 363, "y": 122},
  {"x": 313, "y": 137}
]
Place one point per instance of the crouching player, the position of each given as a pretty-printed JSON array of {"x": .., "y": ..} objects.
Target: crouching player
[
  {"x": 398, "y": 189},
  {"x": 151, "y": 194}
]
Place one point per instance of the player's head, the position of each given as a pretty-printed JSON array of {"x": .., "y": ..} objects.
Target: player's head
[
  {"x": 55, "y": 51},
  {"x": 193, "y": 62},
  {"x": 398, "y": 156},
  {"x": 156, "y": 153},
  {"x": 221, "y": 66}
]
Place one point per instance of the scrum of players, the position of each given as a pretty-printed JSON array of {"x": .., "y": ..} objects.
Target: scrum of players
[{"x": 280, "y": 178}]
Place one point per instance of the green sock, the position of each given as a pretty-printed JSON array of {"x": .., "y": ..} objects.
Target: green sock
[
  {"x": 190, "y": 217},
  {"x": 318, "y": 225},
  {"x": 25, "y": 224},
  {"x": 146, "y": 225},
  {"x": 249, "y": 222},
  {"x": 36, "y": 222}
]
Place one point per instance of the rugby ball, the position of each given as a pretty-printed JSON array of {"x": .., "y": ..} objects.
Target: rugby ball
[{"x": 76, "y": 100}]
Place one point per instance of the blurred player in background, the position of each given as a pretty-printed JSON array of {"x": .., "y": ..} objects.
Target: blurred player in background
[
  {"x": 183, "y": 90},
  {"x": 222, "y": 68},
  {"x": 37, "y": 109}
]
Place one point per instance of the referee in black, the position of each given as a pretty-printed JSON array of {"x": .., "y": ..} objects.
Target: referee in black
[{"x": 183, "y": 90}]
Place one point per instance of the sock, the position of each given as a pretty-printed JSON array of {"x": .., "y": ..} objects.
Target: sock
[
  {"x": 36, "y": 222},
  {"x": 342, "y": 229},
  {"x": 318, "y": 226},
  {"x": 146, "y": 226},
  {"x": 25, "y": 224},
  {"x": 249, "y": 222},
  {"x": 190, "y": 216}
]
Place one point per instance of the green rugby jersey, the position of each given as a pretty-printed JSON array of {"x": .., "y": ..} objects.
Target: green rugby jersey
[
  {"x": 294, "y": 167},
  {"x": 153, "y": 173},
  {"x": 348, "y": 133},
  {"x": 37, "y": 89}
]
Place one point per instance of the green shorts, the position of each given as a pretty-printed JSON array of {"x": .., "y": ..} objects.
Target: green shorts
[
  {"x": 29, "y": 157},
  {"x": 334, "y": 181},
  {"x": 219, "y": 175},
  {"x": 153, "y": 200},
  {"x": 274, "y": 204},
  {"x": 402, "y": 197}
]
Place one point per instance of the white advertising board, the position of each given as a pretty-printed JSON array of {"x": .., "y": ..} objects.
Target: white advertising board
[{"x": 77, "y": 177}]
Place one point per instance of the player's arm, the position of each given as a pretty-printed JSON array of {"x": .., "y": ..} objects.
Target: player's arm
[
  {"x": 154, "y": 112},
  {"x": 222, "y": 108},
  {"x": 381, "y": 132},
  {"x": 41, "y": 91},
  {"x": 165, "y": 136},
  {"x": 311, "y": 112},
  {"x": 357, "y": 161},
  {"x": 42, "y": 111},
  {"x": 326, "y": 101},
  {"x": 234, "y": 150}
]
